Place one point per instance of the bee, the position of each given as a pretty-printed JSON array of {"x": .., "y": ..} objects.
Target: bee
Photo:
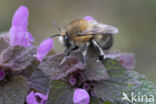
[{"x": 81, "y": 33}]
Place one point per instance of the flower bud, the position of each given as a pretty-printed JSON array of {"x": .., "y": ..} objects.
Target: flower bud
[
  {"x": 72, "y": 80},
  {"x": 44, "y": 48},
  {"x": 81, "y": 96},
  {"x": 88, "y": 18}
]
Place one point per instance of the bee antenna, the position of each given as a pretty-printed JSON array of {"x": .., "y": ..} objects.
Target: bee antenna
[
  {"x": 55, "y": 35},
  {"x": 57, "y": 27}
]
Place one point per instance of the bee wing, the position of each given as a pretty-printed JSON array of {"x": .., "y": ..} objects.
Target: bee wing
[{"x": 100, "y": 29}]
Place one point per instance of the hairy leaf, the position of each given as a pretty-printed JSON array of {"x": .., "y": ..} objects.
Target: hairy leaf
[
  {"x": 147, "y": 88},
  {"x": 95, "y": 71},
  {"x": 14, "y": 92},
  {"x": 126, "y": 59},
  {"x": 94, "y": 100},
  {"x": 121, "y": 81},
  {"x": 60, "y": 93},
  {"x": 4, "y": 41},
  {"x": 59, "y": 66},
  {"x": 18, "y": 58},
  {"x": 39, "y": 81}
]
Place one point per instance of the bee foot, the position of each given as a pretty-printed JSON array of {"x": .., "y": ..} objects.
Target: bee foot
[{"x": 101, "y": 57}]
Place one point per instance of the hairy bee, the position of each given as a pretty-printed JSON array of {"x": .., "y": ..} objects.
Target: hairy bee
[{"x": 82, "y": 33}]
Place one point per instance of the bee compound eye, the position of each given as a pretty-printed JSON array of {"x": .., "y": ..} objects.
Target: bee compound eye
[{"x": 66, "y": 41}]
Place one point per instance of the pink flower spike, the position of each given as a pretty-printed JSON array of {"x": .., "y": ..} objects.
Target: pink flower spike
[
  {"x": 19, "y": 34},
  {"x": 81, "y": 96},
  {"x": 44, "y": 48},
  {"x": 20, "y": 18},
  {"x": 33, "y": 97},
  {"x": 88, "y": 18}
]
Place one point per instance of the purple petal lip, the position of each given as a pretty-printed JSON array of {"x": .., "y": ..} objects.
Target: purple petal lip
[
  {"x": 88, "y": 18},
  {"x": 2, "y": 75},
  {"x": 81, "y": 96},
  {"x": 19, "y": 35},
  {"x": 44, "y": 48},
  {"x": 32, "y": 98}
]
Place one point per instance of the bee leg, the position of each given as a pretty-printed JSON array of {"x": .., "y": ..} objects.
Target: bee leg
[
  {"x": 84, "y": 53},
  {"x": 99, "y": 49},
  {"x": 67, "y": 53}
]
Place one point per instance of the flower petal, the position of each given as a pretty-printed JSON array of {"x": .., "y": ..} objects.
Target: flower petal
[
  {"x": 81, "y": 96},
  {"x": 18, "y": 36},
  {"x": 43, "y": 98},
  {"x": 31, "y": 98},
  {"x": 88, "y": 18},
  {"x": 44, "y": 48},
  {"x": 20, "y": 18}
]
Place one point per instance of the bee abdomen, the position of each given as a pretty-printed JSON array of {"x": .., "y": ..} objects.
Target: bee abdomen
[{"x": 105, "y": 41}]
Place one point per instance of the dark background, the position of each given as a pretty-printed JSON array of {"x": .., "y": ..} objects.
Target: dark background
[{"x": 136, "y": 20}]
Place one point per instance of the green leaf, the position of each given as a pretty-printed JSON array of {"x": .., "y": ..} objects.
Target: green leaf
[
  {"x": 60, "y": 93},
  {"x": 39, "y": 81},
  {"x": 14, "y": 91},
  {"x": 94, "y": 100},
  {"x": 122, "y": 81},
  {"x": 147, "y": 87},
  {"x": 95, "y": 71}
]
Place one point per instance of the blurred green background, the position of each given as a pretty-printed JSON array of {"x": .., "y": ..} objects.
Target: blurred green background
[{"x": 136, "y": 20}]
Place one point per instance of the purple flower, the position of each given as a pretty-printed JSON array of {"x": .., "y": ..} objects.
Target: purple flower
[
  {"x": 44, "y": 48},
  {"x": 81, "y": 96},
  {"x": 72, "y": 80},
  {"x": 19, "y": 34},
  {"x": 36, "y": 98},
  {"x": 86, "y": 86},
  {"x": 2, "y": 74},
  {"x": 88, "y": 18}
]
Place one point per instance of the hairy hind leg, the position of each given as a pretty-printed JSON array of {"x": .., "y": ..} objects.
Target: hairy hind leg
[
  {"x": 84, "y": 53},
  {"x": 99, "y": 49}
]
